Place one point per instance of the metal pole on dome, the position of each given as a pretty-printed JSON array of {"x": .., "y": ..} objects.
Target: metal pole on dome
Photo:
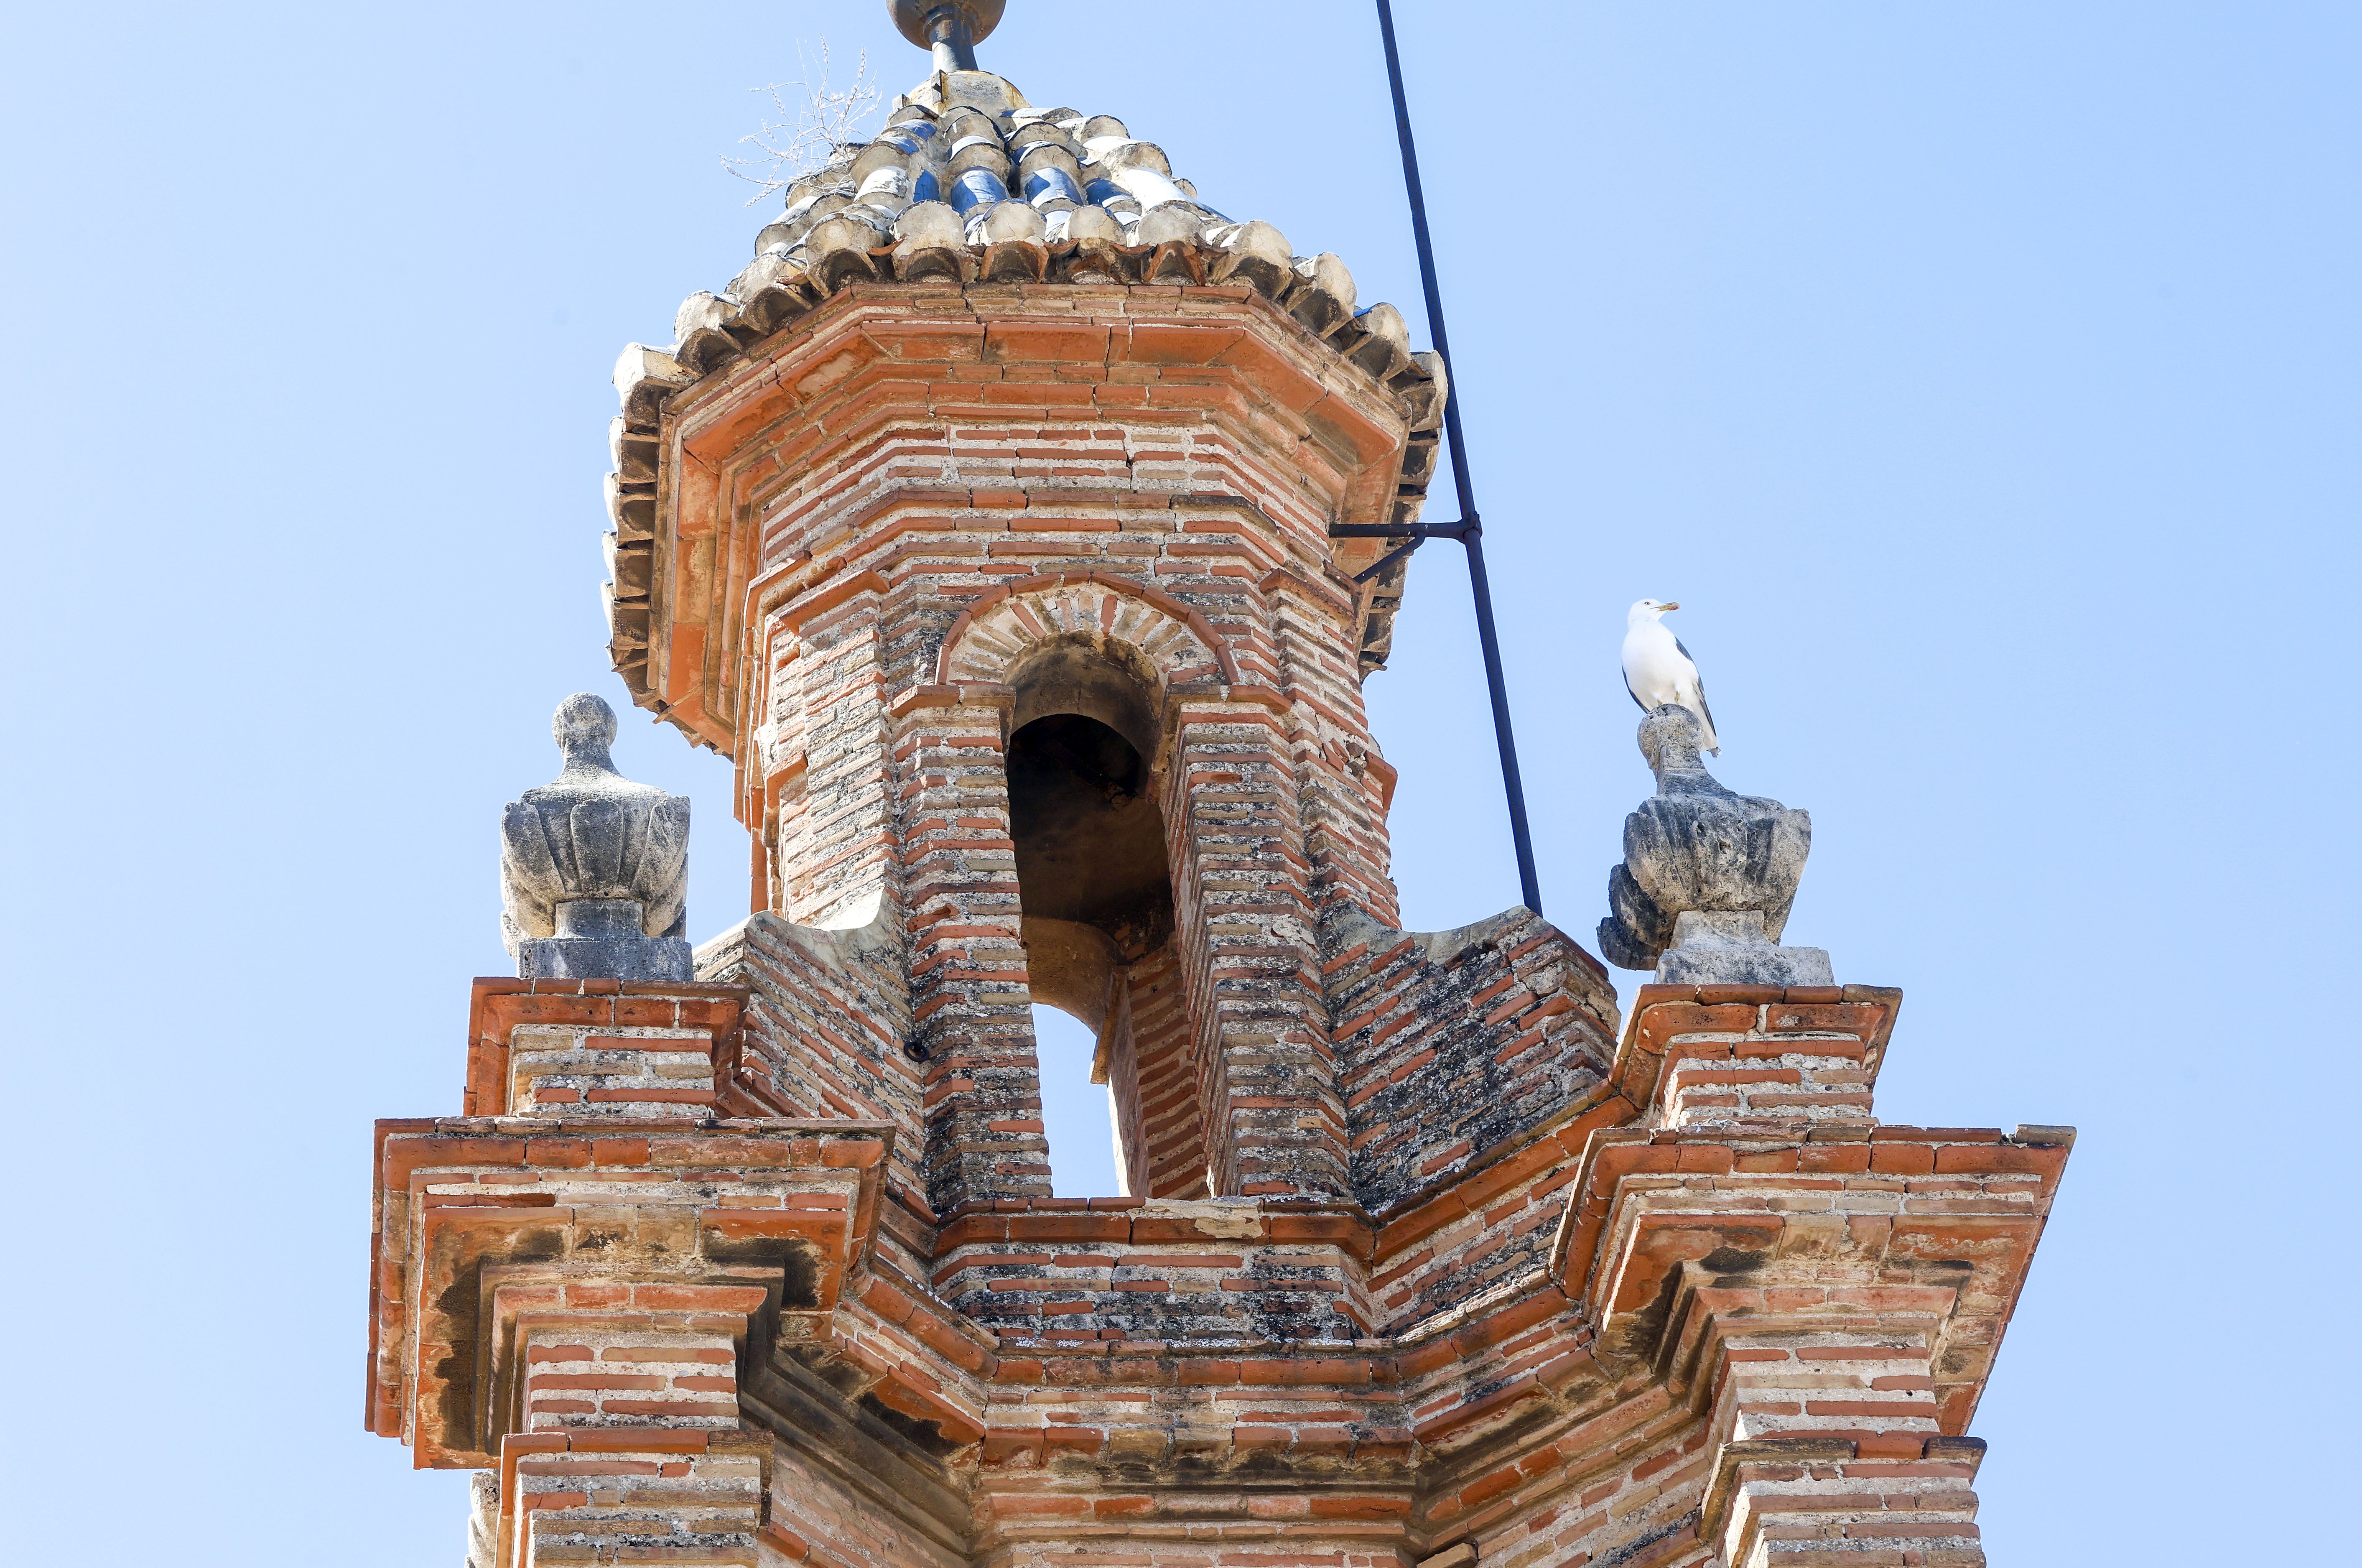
[{"x": 1469, "y": 531}]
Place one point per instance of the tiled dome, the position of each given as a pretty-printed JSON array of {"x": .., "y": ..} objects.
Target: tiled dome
[{"x": 969, "y": 182}]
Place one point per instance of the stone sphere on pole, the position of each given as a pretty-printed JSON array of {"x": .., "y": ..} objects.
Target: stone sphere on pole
[{"x": 917, "y": 18}]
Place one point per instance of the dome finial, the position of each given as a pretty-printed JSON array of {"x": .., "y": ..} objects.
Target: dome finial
[{"x": 952, "y": 29}]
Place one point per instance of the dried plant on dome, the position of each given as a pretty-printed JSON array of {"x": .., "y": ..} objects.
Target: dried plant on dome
[{"x": 816, "y": 122}]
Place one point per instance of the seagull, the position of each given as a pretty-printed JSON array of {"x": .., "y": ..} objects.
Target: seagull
[{"x": 1659, "y": 670}]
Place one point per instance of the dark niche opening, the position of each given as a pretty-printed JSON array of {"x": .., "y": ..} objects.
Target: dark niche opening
[{"x": 1091, "y": 854}]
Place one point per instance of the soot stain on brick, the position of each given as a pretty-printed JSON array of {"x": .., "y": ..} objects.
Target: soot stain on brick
[
  {"x": 798, "y": 1260},
  {"x": 1641, "y": 1542},
  {"x": 830, "y": 1369},
  {"x": 1730, "y": 1265},
  {"x": 925, "y": 1436},
  {"x": 537, "y": 1246},
  {"x": 596, "y": 1238},
  {"x": 1644, "y": 1335}
]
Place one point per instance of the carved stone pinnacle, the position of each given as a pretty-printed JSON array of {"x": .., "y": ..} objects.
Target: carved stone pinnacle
[
  {"x": 595, "y": 868},
  {"x": 1709, "y": 875}
]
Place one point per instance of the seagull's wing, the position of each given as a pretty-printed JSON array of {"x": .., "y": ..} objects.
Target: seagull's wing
[
  {"x": 1699, "y": 678},
  {"x": 1634, "y": 695}
]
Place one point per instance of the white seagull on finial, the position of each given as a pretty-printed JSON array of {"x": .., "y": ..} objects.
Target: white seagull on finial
[{"x": 1659, "y": 670}]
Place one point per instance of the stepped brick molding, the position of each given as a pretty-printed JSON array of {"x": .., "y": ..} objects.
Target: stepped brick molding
[{"x": 1649, "y": 1324}]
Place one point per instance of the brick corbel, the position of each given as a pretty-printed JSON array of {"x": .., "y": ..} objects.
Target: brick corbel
[
  {"x": 517, "y": 1301},
  {"x": 1666, "y": 1233},
  {"x": 795, "y": 615},
  {"x": 1638, "y": 1269},
  {"x": 977, "y": 703},
  {"x": 623, "y": 1444},
  {"x": 497, "y": 1005},
  {"x": 1763, "y": 1462},
  {"x": 1327, "y": 594},
  {"x": 455, "y": 1195},
  {"x": 1856, "y": 1486},
  {"x": 1218, "y": 702},
  {"x": 1662, "y": 1016}
]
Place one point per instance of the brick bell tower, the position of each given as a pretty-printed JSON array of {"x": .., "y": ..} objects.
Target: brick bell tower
[{"x": 984, "y": 522}]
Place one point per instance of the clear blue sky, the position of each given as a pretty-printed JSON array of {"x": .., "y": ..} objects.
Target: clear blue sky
[{"x": 1982, "y": 378}]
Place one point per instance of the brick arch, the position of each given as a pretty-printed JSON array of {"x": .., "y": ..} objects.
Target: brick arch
[{"x": 985, "y": 641}]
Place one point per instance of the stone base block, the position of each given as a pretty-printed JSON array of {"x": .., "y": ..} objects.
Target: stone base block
[
  {"x": 637, "y": 958},
  {"x": 601, "y": 939},
  {"x": 1728, "y": 948}
]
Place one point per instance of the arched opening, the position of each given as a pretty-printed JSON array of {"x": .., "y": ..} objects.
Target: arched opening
[
  {"x": 1092, "y": 879},
  {"x": 1091, "y": 839}
]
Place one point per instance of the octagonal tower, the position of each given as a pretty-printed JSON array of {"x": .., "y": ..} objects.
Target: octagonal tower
[{"x": 984, "y": 522}]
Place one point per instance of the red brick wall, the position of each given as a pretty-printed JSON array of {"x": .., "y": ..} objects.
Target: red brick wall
[
  {"x": 1449, "y": 1045},
  {"x": 826, "y": 1017},
  {"x": 1165, "y": 1098}
]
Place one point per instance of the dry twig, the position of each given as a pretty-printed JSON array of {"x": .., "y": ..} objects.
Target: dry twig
[{"x": 816, "y": 122}]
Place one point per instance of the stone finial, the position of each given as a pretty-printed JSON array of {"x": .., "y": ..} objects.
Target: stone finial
[
  {"x": 1709, "y": 875},
  {"x": 595, "y": 868}
]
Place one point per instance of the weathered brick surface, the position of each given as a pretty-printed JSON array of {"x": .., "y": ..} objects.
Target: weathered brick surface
[
  {"x": 1251, "y": 972},
  {"x": 827, "y": 1013},
  {"x": 903, "y": 504},
  {"x": 1454, "y": 1044},
  {"x": 1153, "y": 1073},
  {"x": 1160, "y": 1270},
  {"x": 1743, "y": 1059},
  {"x": 599, "y": 1047},
  {"x": 1424, "y": 1264},
  {"x": 820, "y": 1512},
  {"x": 895, "y": 505},
  {"x": 619, "y": 1371},
  {"x": 970, "y": 1006},
  {"x": 690, "y": 1499},
  {"x": 1708, "y": 1301},
  {"x": 825, "y": 833},
  {"x": 488, "y": 1226}
]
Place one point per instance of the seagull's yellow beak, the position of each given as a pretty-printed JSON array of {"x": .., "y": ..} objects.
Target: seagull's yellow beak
[{"x": 1663, "y": 607}]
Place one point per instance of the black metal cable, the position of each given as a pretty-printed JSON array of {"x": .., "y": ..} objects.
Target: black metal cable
[{"x": 1469, "y": 530}]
